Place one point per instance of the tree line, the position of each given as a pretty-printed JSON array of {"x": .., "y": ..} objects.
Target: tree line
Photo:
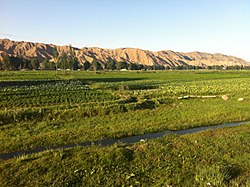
[
  {"x": 69, "y": 61},
  {"x": 63, "y": 61}
]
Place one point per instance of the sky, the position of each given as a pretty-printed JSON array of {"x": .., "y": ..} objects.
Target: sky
[{"x": 214, "y": 26}]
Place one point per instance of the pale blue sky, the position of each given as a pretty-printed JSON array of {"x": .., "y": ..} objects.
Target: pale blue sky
[{"x": 221, "y": 26}]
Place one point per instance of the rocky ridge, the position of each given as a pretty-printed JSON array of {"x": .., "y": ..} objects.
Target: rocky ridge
[{"x": 132, "y": 55}]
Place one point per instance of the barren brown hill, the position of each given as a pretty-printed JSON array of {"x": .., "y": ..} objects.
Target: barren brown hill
[{"x": 132, "y": 55}]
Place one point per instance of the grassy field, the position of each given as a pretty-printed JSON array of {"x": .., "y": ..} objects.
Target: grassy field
[
  {"x": 39, "y": 109},
  {"x": 211, "y": 158}
]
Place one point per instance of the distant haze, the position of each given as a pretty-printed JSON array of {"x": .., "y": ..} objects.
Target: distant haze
[{"x": 208, "y": 26}]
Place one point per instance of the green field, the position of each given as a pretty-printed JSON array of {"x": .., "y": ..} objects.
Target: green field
[
  {"x": 40, "y": 109},
  {"x": 219, "y": 158}
]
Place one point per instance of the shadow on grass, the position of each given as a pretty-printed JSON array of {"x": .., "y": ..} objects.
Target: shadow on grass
[
  {"x": 111, "y": 79},
  {"x": 85, "y": 81},
  {"x": 27, "y": 83}
]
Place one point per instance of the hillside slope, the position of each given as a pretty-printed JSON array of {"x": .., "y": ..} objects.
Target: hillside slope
[{"x": 132, "y": 55}]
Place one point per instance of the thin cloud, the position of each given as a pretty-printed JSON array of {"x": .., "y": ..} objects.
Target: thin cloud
[{"x": 6, "y": 35}]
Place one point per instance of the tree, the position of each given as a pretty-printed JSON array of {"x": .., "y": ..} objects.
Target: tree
[
  {"x": 1, "y": 65},
  {"x": 25, "y": 63},
  {"x": 132, "y": 66},
  {"x": 52, "y": 65},
  {"x": 135, "y": 66},
  {"x": 15, "y": 63},
  {"x": 45, "y": 64},
  {"x": 95, "y": 65},
  {"x": 74, "y": 65},
  {"x": 62, "y": 61},
  {"x": 167, "y": 67},
  {"x": 122, "y": 65},
  {"x": 34, "y": 63},
  {"x": 111, "y": 65},
  {"x": 73, "y": 61},
  {"x": 150, "y": 67},
  {"x": 6, "y": 62},
  {"x": 86, "y": 65},
  {"x": 55, "y": 54}
]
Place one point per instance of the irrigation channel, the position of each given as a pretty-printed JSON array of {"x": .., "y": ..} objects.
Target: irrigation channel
[{"x": 126, "y": 140}]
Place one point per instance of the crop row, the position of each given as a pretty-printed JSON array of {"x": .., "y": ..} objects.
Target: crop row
[
  {"x": 72, "y": 92},
  {"x": 68, "y": 111},
  {"x": 16, "y": 100}
]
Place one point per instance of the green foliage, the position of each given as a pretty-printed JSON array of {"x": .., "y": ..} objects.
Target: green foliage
[
  {"x": 36, "y": 110},
  {"x": 63, "y": 62},
  {"x": 13, "y": 63},
  {"x": 96, "y": 65},
  {"x": 35, "y": 64},
  {"x": 73, "y": 60},
  {"x": 212, "y": 176},
  {"x": 111, "y": 65},
  {"x": 122, "y": 65},
  {"x": 93, "y": 106},
  {"x": 47, "y": 65},
  {"x": 86, "y": 65},
  {"x": 211, "y": 158},
  {"x": 18, "y": 63}
]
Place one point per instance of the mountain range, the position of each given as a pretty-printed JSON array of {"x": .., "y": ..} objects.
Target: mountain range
[{"x": 43, "y": 51}]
